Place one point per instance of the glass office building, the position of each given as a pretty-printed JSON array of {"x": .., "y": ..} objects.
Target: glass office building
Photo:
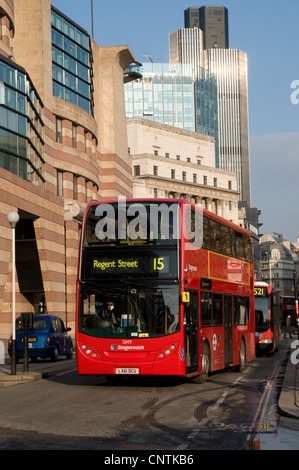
[
  {"x": 71, "y": 62},
  {"x": 21, "y": 124},
  {"x": 177, "y": 95}
]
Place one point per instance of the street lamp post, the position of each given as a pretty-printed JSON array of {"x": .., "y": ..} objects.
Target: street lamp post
[{"x": 13, "y": 219}]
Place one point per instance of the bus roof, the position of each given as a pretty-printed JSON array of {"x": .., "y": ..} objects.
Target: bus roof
[{"x": 181, "y": 201}]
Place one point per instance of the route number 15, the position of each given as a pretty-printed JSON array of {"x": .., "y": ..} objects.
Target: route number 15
[{"x": 158, "y": 264}]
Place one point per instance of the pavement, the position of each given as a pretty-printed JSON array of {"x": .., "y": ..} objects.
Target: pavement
[
  {"x": 288, "y": 403},
  {"x": 7, "y": 379}
]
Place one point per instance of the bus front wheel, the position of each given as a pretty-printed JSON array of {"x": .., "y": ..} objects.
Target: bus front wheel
[{"x": 205, "y": 365}]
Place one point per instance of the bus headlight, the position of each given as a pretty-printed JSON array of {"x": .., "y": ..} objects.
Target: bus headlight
[
  {"x": 167, "y": 350},
  {"x": 88, "y": 350}
]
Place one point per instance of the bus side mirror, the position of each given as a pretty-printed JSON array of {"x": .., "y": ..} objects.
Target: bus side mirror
[{"x": 274, "y": 300}]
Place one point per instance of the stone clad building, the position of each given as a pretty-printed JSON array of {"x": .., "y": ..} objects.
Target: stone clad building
[
  {"x": 172, "y": 162},
  {"x": 63, "y": 142}
]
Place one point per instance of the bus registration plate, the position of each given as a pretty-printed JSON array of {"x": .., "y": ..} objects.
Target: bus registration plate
[{"x": 127, "y": 370}]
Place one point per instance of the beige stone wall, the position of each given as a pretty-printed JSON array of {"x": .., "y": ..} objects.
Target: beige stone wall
[
  {"x": 6, "y": 27},
  {"x": 146, "y": 136},
  {"x": 48, "y": 211},
  {"x": 32, "y": 44},
  {"x": 115, "y": 165}
]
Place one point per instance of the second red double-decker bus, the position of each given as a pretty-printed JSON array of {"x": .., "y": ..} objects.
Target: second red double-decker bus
[
  {"x": 267, "y": 317},
  {"x": 288, "y": 308},
  {"x": 164, "y": 288}
]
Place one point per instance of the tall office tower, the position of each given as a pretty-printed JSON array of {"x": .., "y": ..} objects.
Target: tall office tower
[
  {"x": 230, "y": 68},
  {"x": 213, "y": 21},
  {"x": 186, "y": 46}
]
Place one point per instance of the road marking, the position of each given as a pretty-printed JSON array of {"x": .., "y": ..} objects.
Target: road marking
[{"x": 260, "y": 412}]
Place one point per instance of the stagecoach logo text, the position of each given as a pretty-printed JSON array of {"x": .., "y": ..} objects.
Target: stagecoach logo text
[{"x": 122, "y": 347}]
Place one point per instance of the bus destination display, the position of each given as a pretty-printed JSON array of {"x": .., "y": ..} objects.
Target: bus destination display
[
  {"x": 140, "y": 265},
  {"x": 260, "y": 291}
]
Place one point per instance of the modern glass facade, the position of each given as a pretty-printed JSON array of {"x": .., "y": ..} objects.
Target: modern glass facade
[
  {"x": 176, "y": 95},
  {"x": 71, "y": 62},
  {"x": 21, "y": 124}
]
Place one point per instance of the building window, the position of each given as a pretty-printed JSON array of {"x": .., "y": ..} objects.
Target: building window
[
  {"x": 59, "y": 130},
  {"x": 229, "y": 185},
  {"x": 156, "y": 152},
  {"x": 59, "y": 183},
  {"x": 199, "y": 162},
  {"x": 205, "y": 180},
  {"x": 215, "y": 182},
  {"x": 85, "y": 141},
  {"x": 136, "y": 170},
  {"x": 188, "y": 159},
  {"x": 184, "y": 176},
  {"x": 194, "y": 178},
  {"x": 167, "y": 155},
  {"x": 75, "y": 187},
  {"x": 173, "y": 174},
  {"x": 74, "y": 136},
  {"x": 71, "y": 64},
  {"x": 155, "y": 193},
  {"x": 178, "y": 157},
  {"x": 230, "y": 205},
  {"x": 155, "y": 170},
  {"x": 21, "y": 125}
]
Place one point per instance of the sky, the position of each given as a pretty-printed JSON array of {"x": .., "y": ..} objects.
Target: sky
[{"x": 267, "y": 30}]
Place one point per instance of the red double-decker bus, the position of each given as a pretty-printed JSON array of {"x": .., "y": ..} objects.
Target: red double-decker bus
[
  {"x": 288, "y": 308},
  {"x": 164, "y": 288},
  {"x": 268, "y": 310}
]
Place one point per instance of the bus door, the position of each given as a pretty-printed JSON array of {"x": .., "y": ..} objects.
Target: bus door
[
  {"x": 191, "y": 332},
  {"x": 228, "y": 329}
]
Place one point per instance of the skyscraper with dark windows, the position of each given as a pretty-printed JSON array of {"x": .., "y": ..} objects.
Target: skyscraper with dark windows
[
  {"x": 230, "y": 68},
  {"x": 213, "y": 22},
  {"x": 210, "y": 24}
]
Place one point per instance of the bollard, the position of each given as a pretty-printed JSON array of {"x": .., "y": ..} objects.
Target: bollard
[{"x": 2, "y": 353}]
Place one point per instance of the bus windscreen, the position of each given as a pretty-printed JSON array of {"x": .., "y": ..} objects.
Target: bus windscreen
[
  {"x": 129, "y": 311},
  {"x": 124, "y": 223}
]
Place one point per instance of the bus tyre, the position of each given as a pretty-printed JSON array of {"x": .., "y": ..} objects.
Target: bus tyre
[
  {"x": 242, "y": 356},
  {"x": 205, "y": 364}
]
